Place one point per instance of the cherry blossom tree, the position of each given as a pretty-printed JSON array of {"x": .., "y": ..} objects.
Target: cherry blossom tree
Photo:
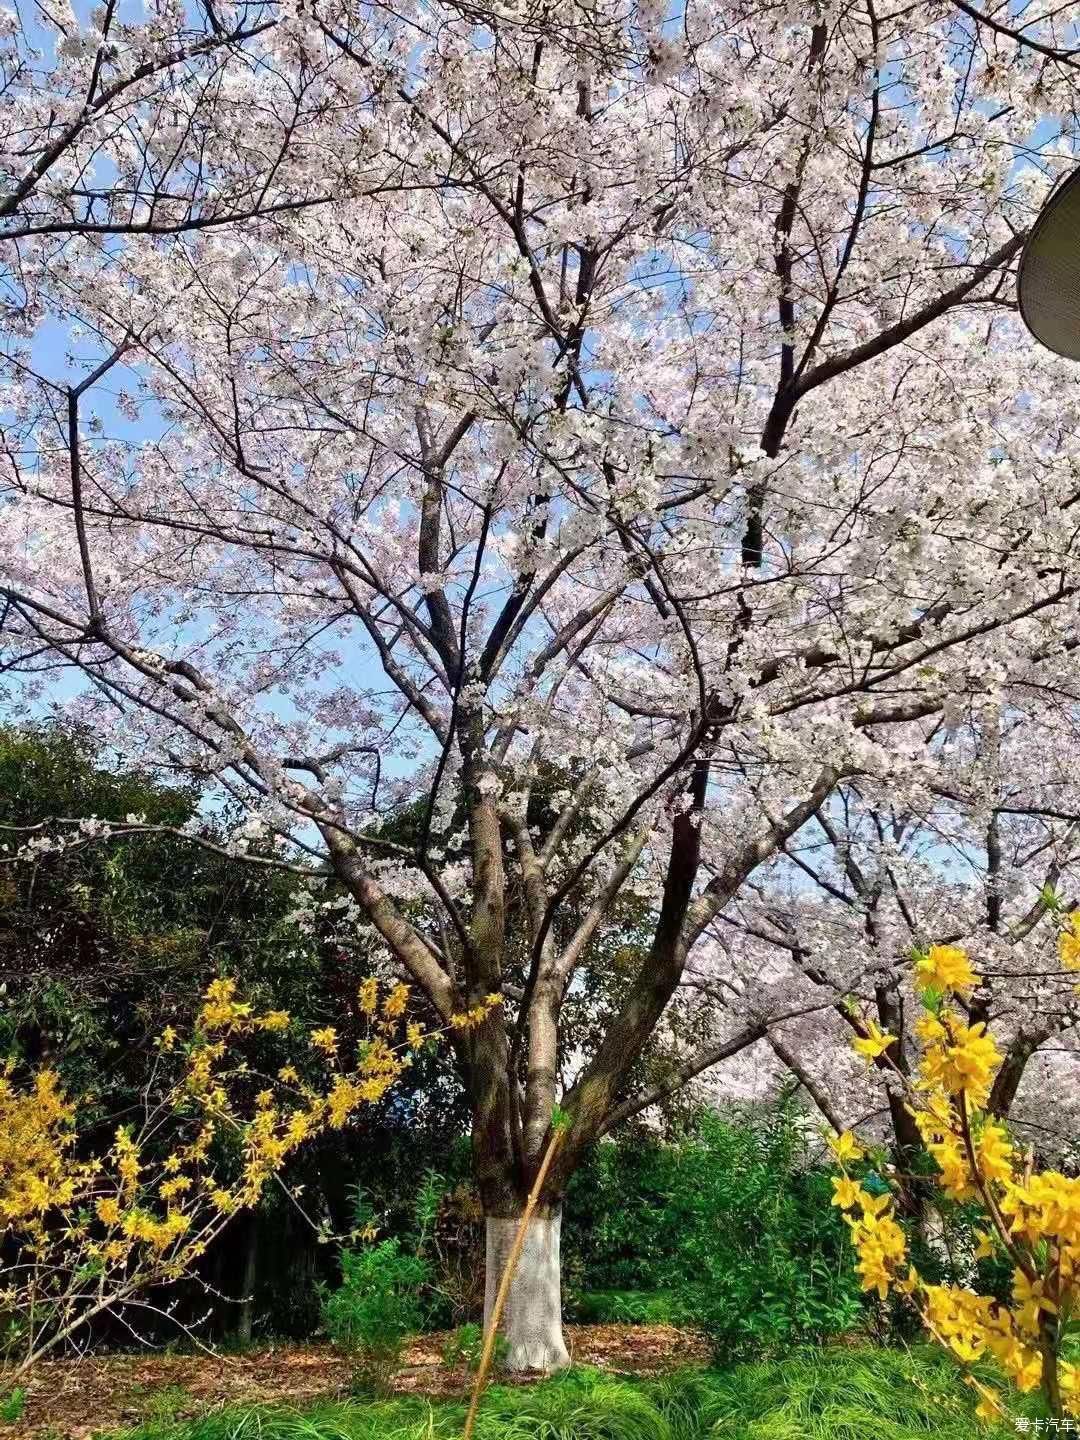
[
  {"x": 988, "y": 860},
  {"x": 638, "y": 445},
  {"x": 1051, "y": 34}
]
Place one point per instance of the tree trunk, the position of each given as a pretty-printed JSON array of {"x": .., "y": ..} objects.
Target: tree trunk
[
  {"x": 247, "y": 1287},
  {"x": 532, "y": 1318}
]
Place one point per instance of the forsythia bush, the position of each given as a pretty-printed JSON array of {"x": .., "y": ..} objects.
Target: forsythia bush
[
  {"x": 87, "y": 1234},
  {"x": 1031, "y": 1217}
]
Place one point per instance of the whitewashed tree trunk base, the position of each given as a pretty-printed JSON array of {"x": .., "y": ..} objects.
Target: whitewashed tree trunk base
[{"x": 532, "y": 1317}]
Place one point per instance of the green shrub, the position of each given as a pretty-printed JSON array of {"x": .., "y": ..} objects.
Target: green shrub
[
  {"x": 733, "y": 1224},
  {"x": 374, "y": 1310}
]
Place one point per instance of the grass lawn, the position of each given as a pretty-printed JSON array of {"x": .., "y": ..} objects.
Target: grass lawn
[
  {"x": 827, "y": 1394},
  {"x": 628, "y": 1307}
]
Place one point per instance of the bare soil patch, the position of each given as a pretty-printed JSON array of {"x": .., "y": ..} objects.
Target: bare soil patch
[{"x": 76, "y": 1399}]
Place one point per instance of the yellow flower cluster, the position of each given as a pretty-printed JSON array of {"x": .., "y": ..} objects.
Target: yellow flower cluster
[
  {"x": 973, "y": 1325},
  {"x": 393, "y": 1007},
  {"x": 957, "y": 1059},
  {"x": 1069, "y": 942},
  {"x": 879, "y": 1241},
  {"x": 945, "y": 967},
  {"x": 136, "y": 1216},
  {"x": 222, "y": 1011},
  {"x": 1032, "y": 1219},
  {"x": 325, "y": 1040},
  {"x": 469, "y": 1019},
  {"x": 386, "y": 1016},
  {"x": 1046, "y": 1207},
  {"x": 36, "y": 1136}
]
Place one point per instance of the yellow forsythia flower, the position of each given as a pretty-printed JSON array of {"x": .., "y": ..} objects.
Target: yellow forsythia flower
[
  {"x": 845, "y": 1147},
  {"x": 1069, "y": 942},
  {"x": 1034, "y": 1216},
  {"x": 994, "y": 1152},
  {"x": 985, "y": 1248},
  {"x": 946, "y": 967},
  {"x": 221, "y": 1010},
  {"x": 881, "y": 1248},
  {"x": 874, "y": 1043},
  {"x": 108, "y": 1210},
  {"x": 847, "y": 1193},
  {"x": 394, "y": 1005},
  {"x": 477, "y": 1015},
  {"x": 964, "y": 1063},
  {"x": 956, "y": 1178}
]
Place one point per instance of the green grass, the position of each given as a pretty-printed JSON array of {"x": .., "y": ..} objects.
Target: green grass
[
  {"x": 12, "y": 1405},
  {"x": 626, "y": 1307},
  {"x": 839, "y": 1395},
  {"x": 830, "y": 1394},
  {"x": 162, "y": 1403}
]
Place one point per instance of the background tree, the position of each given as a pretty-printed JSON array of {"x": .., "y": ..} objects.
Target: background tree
[
  {"x": 104, "y": 945},
  {"x": 985, "y": 860}
]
